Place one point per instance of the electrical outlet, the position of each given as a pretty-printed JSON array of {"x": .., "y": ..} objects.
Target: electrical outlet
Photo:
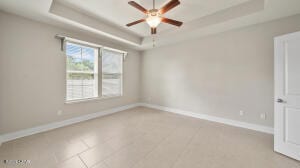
[
  {"x": 59, "y": 112},
  {"x": 241, "y": 112},
  {"x": 263, "y": 116}
]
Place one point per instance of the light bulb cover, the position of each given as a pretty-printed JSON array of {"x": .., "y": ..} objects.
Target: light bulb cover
[{"x": 153, "y": 19}]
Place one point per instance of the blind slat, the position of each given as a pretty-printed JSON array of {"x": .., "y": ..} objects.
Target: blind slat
[
  {"x": 112, "y": 69},
  {"x": 81, "y": 76}
]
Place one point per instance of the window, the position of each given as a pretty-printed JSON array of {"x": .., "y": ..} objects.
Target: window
[
  {"x": 111, "y": 73},
  {"x": 82, "y": 72},
  {"x": 89, "y": 77}
]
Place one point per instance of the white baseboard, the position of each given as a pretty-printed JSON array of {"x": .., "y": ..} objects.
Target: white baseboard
[
  {"x": 47, "y": 127},
  {"x": 235, "y": 123}
]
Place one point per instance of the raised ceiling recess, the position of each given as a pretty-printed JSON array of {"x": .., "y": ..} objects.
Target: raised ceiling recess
[{"x": 108, "y": 18}]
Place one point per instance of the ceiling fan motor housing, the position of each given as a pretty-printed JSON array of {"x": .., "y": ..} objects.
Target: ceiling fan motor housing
[{"x": 154, "y": 12}]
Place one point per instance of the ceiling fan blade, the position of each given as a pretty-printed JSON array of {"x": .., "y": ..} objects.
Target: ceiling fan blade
[
  {"x": 172, "y": 22},
  {"x": 135, "y": 22},
  {"x": 137, "y": 6},
  {"x": 153, "y": 30},
  {"x": 169, "y": 6}
]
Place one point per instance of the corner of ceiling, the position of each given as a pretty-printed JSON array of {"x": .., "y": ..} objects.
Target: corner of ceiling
[
  {"x": 93, "y": 24},
  {"x": 199, "y": 27},
  {"x": 234, "y": 17},
  {"x": 82, "y": 19}
]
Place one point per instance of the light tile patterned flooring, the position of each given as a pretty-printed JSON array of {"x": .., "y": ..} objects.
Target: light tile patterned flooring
[{"x": 146, "y": 138}]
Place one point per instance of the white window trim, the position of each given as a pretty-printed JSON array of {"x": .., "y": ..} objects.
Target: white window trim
[
  {"x": 81, "y": 42},
  {"x": 122, "y": 75},
  {"x": 64, "y": 40},
  {"x": 84, "y": 72},
  {"x": 92, "y": 99}
]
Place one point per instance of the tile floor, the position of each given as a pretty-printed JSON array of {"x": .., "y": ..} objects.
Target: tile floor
[{"x": 146, "y": 138}]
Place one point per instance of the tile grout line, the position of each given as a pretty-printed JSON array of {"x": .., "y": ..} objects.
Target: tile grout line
[
  {"x": 81, "y": 140},
  {"x": 185, "y": 148},
  {"x": 82, "y": 160},
  {"x": 77, "y": 154},
  {"x": 118, "y": 150},
  {"x": 106, "y": 165},
  {"x": 52, "y": 152},
  {"x": 103, "y": 160},
  {"x": 88, "y": 148},
  {"x": 155, "y": 146},
  {"x": 105, "y": 142}
]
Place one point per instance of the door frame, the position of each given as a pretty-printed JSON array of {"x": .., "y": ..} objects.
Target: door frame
[{"x": 279, "y": 63}]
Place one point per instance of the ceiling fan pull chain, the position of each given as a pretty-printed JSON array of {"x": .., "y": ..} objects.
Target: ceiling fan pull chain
[{"x": 153, "y": 41}]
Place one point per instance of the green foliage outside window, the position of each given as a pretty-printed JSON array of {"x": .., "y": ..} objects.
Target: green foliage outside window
[{"x": 82, "y": 65}]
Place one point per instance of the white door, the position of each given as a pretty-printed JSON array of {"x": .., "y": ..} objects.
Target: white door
[{"x": 287, "y": 95}]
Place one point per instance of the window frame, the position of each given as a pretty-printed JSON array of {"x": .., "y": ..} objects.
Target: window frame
[
  {"x": 121, "y": 74},
  {"x": 66, "y": 71},
  {"x": 100, "y": 80}
]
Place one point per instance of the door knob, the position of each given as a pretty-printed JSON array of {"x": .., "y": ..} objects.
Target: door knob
[{"x": 280, "y": 101}]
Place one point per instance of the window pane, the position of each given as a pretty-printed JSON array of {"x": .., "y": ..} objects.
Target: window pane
[
  {"x": 80, "y": 58},
  {"x": 73, "y": 50},
  {"x": 82, "y": 72},
  {"x": 111, "y": 73},
  {"x": 88, "y": 58},
  {"x": 111, "y": 87},
  {"x": 111, "y": 61}
]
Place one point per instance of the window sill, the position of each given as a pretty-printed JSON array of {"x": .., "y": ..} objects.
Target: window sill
[{"x": 91, "y": 99}]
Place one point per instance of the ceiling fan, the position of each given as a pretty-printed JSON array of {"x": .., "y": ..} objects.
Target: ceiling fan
[{"x": 155, "y": 16}]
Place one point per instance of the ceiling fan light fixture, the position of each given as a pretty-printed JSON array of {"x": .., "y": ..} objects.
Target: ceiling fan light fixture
[
  {"x": 153, "y": 18},
  {"x": 153, "y": 21}
]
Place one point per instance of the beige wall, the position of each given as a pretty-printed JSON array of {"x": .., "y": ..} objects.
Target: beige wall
[
  {"x": 218, "y": 75},
  {"x": 32, "y": 75}
]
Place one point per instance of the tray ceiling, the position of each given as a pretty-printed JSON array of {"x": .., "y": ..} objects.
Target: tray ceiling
[
  {"x": 120, "y": 13},
  {"x": 107, "y": 18}
]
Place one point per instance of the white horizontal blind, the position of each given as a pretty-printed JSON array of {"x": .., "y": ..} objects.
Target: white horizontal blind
[
  {"x": 81, "y": 71},
  {"x": 112, "y": 71}
]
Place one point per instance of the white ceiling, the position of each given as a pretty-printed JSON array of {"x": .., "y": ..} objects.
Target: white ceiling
[
  {"x": 120, "y": 13},
  {"x": 108, "y": 17}
]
